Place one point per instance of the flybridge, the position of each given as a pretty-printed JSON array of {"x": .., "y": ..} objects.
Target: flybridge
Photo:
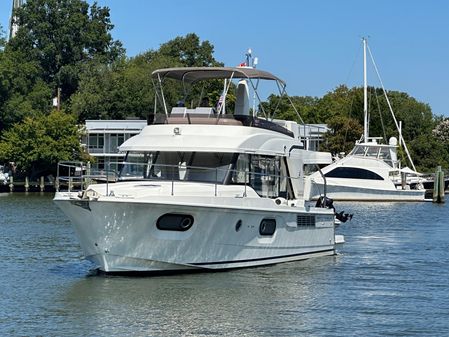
[
  {"x": 230, "y": 109},
  {"x": 246, "y": 91}
]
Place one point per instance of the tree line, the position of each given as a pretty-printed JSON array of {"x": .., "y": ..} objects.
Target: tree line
[{"x": 67, "y": 45}]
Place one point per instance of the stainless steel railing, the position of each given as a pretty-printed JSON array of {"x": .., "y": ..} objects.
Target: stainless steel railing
[{"x": 77, "y": 176}]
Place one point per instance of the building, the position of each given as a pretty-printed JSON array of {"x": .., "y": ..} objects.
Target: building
[{"x": 103, "y": 137}]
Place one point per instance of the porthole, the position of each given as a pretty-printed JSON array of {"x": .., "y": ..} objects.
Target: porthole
[
  {"x": 174, "y": 222},
  {"x": 267, "y": 227},
  {"x": 238, "y": 225}
]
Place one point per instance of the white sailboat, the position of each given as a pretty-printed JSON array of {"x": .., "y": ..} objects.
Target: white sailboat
[
  {"x": 202, "y": 189},
  {"x": 371, "y": 171}
]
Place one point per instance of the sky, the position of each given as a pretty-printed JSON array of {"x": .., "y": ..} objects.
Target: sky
[{"x": 313, "y": 45}]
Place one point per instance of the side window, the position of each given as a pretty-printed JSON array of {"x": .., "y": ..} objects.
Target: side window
[
  {"x": 267, "y": 175},
  {"x": 353, "y": 173},
  {"x": 267, "y": 227},
  {"x": 240, "y": 173}
]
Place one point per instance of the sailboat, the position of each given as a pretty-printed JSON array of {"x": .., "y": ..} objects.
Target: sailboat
[{"x": 370, "y": 171}]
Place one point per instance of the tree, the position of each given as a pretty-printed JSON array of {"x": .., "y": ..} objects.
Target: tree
[
  {"x": 38, "y": 143},
  {"x": 343, "y": 135},
  {"x": 441, "y": 131},
  {"x": 190, "y": 51},
  {"x": 61, "y": 35},
  {"x": 125, "y": 89},
  {"x": 428, "y": 152},
  {"x": 22, "y": 91}
]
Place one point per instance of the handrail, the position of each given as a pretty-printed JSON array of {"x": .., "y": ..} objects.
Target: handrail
[{"x": 73, "y": 180}]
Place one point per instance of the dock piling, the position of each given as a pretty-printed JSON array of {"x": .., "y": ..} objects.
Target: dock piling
[{"x": 438, "y": 186}]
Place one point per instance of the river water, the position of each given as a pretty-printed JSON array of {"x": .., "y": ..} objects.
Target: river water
[{"x": 390, "y": 278}]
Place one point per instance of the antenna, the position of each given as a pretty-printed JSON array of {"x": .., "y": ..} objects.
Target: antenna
[{"x": 250, "y": 60}]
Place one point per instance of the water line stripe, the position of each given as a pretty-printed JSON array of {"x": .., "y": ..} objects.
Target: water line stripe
[{"x": 260, "y": 259}]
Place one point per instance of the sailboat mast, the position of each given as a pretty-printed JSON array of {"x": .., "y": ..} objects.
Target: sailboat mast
[{"x": 365, "y": 96}]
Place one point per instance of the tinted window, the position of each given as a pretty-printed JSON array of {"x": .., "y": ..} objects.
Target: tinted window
[
  {"x": 174, "y": 222},
  {"x": 353, "y": 173},
  {"x": 267, "y": 227}
]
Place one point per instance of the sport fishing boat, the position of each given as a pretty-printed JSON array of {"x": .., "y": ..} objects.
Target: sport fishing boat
[
  {"x": 371, "y": 171},
  {"x": 202, "y": 188}
]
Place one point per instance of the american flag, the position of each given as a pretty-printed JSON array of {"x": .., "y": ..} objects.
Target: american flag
[{"x": 220, "y": 103}]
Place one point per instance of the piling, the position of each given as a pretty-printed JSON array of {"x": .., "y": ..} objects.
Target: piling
[
  {"x": 27, "y": 184},
  {"x": 42, "y": 184},
  {"x": 438, "y": 186}
]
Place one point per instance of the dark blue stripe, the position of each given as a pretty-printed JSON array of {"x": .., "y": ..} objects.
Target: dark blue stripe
[{"x": 260, "y": 259}]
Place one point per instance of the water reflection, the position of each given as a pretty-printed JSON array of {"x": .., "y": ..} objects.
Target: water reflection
[
  {"x": 228, "y": 303},
  {"x": 390, "y": 278}
]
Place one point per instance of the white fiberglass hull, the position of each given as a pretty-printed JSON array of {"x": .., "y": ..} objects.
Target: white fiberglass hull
[
  {"x": 358, "y": 193},
  {"x": 120, "y": 235}
]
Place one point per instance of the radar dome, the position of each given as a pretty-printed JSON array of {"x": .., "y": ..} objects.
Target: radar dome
[{"x": 393, "y": 141}]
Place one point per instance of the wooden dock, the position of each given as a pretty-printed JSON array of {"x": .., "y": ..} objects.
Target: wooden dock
[{"x": 27, "y": 185}]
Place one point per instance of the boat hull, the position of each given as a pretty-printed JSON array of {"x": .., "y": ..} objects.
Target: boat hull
[
  {"x": 359, "y": 193},
  {"x": 121, "y": 235}
]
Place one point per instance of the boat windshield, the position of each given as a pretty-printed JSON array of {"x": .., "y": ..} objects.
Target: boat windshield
[
  {"x": 268, "y": 175},
  {"x": 380, "y": 152},
  {"x": 188, "y": 166}
]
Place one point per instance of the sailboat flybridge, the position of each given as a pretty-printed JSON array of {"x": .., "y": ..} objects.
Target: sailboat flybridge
[{"x": 372, "y": 170}]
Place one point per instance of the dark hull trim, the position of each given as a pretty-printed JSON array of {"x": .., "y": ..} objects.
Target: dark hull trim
[
  {"x": 202, "y": 270},
  {"x": 262, "y": 258}
]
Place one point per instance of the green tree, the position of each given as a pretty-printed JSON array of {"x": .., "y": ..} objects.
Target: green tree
[
  {"x": 428, "y": 152},
  {"x": 283, "y": 109},
  {"x": 38, "y": 143},
  {"x": 343, "y": 135},
  {"x": 190, "y": 51},
  {"x": 22, "y": 91},
  {"x": 125, "y": 89},
  {"x": 61, "y": 35}
]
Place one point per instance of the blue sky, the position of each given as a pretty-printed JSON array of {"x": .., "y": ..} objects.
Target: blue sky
[{"x": 313, "y": 45}]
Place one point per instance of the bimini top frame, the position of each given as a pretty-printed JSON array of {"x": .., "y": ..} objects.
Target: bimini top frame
[
  {"x": 191, "y": 75},
  {"x": 194, "y": 74}
]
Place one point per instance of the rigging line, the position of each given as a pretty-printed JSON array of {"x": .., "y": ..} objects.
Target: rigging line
[
  {"x": 391, "y": 111},
  {"x": 349, "y": 115},
  {"x": 293, "y": 106},
  {"x": 356, "y": 58},
  {"x": 380, "y": 115}
]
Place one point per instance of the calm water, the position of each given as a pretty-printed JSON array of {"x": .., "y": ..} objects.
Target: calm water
[{"x": 391, "y": 278}]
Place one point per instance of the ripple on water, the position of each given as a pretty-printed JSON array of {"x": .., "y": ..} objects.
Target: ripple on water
[{"x": 389, "y": 278}]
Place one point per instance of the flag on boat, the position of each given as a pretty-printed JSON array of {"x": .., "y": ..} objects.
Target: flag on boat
[{"x": 220, "y": 103}]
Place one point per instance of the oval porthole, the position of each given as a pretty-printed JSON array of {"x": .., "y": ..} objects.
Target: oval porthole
[
  {"x": 267, "y": 227},
  {"x": 238, "y": 225},
  {"x": 174, "y": 222}
]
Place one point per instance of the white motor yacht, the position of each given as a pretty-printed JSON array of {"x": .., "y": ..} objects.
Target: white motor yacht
[
  {"x": 368, "y": 173},
  {"x": 371, "y": 171},
  {"x": 201, "y": 188}
]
